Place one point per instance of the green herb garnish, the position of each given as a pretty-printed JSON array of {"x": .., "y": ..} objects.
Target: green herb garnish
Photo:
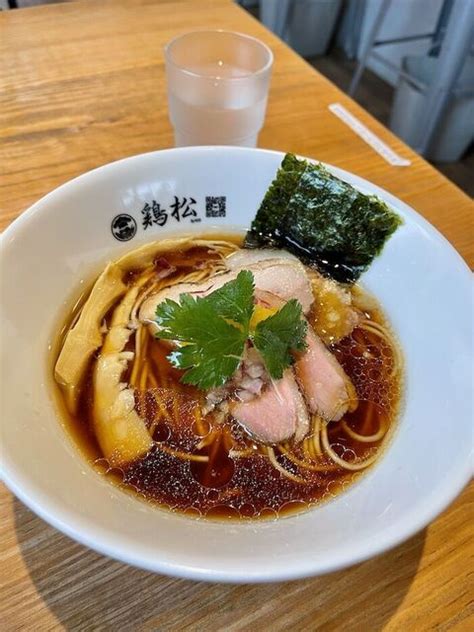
[
  {"x": 214, "y": 329},
  {"x": 323, "y": 220},
  {"x": 277, "y": 336}
]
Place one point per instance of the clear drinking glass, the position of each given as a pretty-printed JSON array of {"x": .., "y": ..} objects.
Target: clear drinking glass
[{"x": 217, "y": 87}]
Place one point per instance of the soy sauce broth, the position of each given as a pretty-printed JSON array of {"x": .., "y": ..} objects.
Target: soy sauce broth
[{"x": 246, "y": 486}]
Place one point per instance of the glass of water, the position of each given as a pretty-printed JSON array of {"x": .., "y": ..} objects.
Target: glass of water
[{"x": 217, "y": 87}]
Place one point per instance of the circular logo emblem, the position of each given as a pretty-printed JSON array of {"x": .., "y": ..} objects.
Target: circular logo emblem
[{"x": 123, "y": 227}]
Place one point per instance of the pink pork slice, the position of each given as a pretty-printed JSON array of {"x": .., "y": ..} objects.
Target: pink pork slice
[
  {"x": 327, "y": 388},
  {"x": 278, "y": 414},
  {"x": 283, "y": 277}
]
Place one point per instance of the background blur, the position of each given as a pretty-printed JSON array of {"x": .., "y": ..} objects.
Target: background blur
[{"x": 410, "y": 63}]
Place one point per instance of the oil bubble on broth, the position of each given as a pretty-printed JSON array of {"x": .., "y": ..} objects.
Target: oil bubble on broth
[{"x": 205, "y": 464}]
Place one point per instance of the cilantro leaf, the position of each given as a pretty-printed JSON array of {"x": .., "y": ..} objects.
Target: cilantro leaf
[
  {"x": 277, "y": 336},
  {"x": 234, "y": 300},
  {"x": 210, "y": 365},
  {"x": 211, "y": 332},
  {"x": 213, "y": 347}
]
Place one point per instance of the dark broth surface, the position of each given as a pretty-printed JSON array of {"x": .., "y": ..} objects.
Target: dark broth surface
[{"x": 231, "y": 484}]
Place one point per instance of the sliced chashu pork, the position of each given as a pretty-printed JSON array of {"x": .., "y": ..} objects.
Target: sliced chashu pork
[
  {"x": 275, "y": 271},
  {"x": 335, "y": 315},
  {"x": 278, "y": 414},
  {"x": 283, "y": 277},
  {"x": 249, "y": 256},
  {"x": 327, "y": 388}
]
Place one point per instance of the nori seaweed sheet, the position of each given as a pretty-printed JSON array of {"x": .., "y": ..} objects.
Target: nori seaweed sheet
[
  {"x": 322, "y": 220},
  {"x": 275, "y": 203}
]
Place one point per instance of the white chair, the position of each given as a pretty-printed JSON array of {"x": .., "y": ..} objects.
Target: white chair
[{"x": 456, "y": 42}]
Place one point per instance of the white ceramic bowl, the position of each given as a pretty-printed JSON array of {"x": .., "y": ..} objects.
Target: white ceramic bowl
[{"x": 420, "y": 280}]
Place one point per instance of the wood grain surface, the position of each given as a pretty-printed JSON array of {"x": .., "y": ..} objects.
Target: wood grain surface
[{"x": 82, "y": 84}]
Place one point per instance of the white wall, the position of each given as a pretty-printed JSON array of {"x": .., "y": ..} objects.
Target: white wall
[{"x": 404, "y": 17}]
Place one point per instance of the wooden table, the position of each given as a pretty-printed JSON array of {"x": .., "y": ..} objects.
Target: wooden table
[{"x": 82, "y": 84}]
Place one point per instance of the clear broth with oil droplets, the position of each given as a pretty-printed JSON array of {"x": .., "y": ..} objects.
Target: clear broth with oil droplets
[{"x": 235, "y": 480}]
